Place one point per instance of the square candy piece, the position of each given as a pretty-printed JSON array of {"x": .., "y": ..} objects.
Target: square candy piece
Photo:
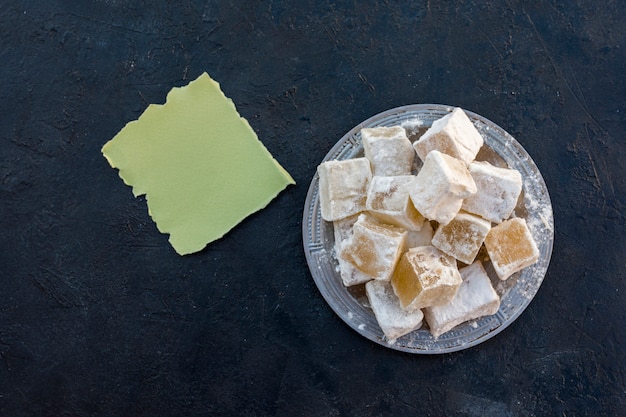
[
  {"x": 393, "y": 320},
  {"x": 440, "y": 187},
  {"x": 511, "y": 247},
  {"x": 497, "y": 191},
  {"x": 388, "y": 200},
  {"x": 475, "y": 298},
  {"x": 374, "y": 248},
  {"x": 424, "y": 277},
  {"x": 342, "y": 229},
  {"x": 454, "y": 135},
  {"x": 388, "y": 149},
  {"x": 343, "y": 187},
  {"x": 462, "y": 237}
]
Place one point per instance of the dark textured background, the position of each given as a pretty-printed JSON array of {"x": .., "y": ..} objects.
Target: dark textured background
[{"x": 100, "y": 317}]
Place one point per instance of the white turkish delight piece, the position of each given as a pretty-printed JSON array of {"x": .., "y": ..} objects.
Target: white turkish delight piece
[
  {"x": 440, "y": 187},
  {"x": 393, "y": 320},
  {"x": 497, "y": 191},
  {"x": 475, "y": 298},
  {"x": 388, "y": 200},
  {"x": 343, "y": 187},
  {"x": 454, "y": 135},
  {"x": 388, "y": 149}
]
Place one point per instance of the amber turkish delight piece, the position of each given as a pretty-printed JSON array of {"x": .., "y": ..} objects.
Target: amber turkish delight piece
[
  {"x": 424, "y": 277},
  {"x": 511, "y": 247},
  {"x": 343, "y": 233}
]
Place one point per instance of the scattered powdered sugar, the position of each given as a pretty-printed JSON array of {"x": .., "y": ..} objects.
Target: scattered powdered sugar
[
  {"x": 542, "y": 215},
  {"x": 412, "y": 124}
]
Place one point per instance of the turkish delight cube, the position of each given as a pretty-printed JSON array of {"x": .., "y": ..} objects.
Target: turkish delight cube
[
  {"x": 343, "y": 187},
  {"x": 424, "y": 277},
  {"x": 374, "y": 248},
  {"x": 475, "y": 298},
  {"x": 388, "y": 200},
  {"x": 440, "y": 187},
  {"x": 511, "y": 247},
  {"x": 497, "y": 191},
  {"x": 462, "y": 237},
  {"x": 388, "y": 149},
  {"x": 393, "y": 320},
  {"x": 454, "y": 135}
]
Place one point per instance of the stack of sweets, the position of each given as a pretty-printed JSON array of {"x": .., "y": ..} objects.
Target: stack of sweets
[{"x": 407, "y": 235}]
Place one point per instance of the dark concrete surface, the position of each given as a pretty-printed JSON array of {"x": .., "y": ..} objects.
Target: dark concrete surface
[{"x": 100, "y": 317}]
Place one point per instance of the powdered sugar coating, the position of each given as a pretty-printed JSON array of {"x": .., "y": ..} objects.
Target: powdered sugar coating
[
  {"x": 388, "y": 149},
  {"x": 475, "y": 298},
  {"x": 373, "y": 248},
  {"x": 454, "y": 135},
  {"x": 462, "y": 237},
  {"x": 343, "y": 187},
  {"x": 388, "y": 200},
  {"x": 497, "y": 191},
  {"x": 343, "y": 232},
  {"x": 393, "y": 320},
  {"x": 440, "y": 187}
]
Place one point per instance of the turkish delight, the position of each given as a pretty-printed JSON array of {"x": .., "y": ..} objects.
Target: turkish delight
[
  {"x": 343, "y": 187},
  {"x": 454, "y": 135},
  {"x": 393, "y": 320},
  {"x": 388, "y": 200},
  {"x": 511, "y": 247},
  {"x": 424, "y": 277},
  {"x": 440, "y": 187},
  {"x": 374, "y": 248},
  {"x": 475, "y": 298},
  {"x": 350, "y": 275},
  {"x": 388, "y": 149},
  {"x": 497, "y": 191},
  {"x": 462, "y": 237}
]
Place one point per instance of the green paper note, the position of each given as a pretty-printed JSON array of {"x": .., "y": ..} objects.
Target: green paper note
[{"x": 199, "y": 163}]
